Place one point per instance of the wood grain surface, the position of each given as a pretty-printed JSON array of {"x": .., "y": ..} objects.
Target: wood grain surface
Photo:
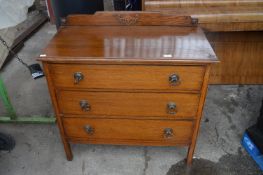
[
  {"x": 128, "y": 77},
  {"x": 122, "y": 104},
  {"x": 157, "y": 4},
  {"x": 218, "y": 15},
  {"x": 113, "y": 43},
  {"x": 129, "y": 130},
  {"x": 129, "y": 18},
  {"x": 240, "y": 56}
]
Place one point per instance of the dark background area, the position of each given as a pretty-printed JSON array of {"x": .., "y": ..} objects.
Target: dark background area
[{"x": 62, "y": 8}]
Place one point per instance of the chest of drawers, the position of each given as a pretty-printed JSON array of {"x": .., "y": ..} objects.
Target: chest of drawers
[{"x": 128, "y": 78}]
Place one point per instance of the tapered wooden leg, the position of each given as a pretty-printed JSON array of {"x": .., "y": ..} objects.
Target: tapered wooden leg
[
  {"x": 190, "y": 154},
  {"x": 67, "y": 149},
  {"x": 58, "y": 114},
  {"x": 199, "y": 115}
]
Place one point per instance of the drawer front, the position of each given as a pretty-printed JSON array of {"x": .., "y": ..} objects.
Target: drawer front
[
  {"x": 165, "y": 105},
  {"x": 127, "y": 77},
  {"x": 125, "y": 129}
]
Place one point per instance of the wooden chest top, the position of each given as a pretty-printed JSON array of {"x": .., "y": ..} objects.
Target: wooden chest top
[{"x": 129, "y": 42}]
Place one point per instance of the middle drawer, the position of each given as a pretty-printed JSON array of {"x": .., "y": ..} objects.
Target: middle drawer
[{"x": 121, "y": 104}]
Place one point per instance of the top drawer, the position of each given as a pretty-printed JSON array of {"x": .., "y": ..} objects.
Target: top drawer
[{"x": 127, "y": 76}]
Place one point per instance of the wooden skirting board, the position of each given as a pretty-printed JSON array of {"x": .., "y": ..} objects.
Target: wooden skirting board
[{"x": 234, "y": 29}]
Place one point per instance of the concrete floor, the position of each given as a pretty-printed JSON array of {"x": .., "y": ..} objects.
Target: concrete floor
[
  {"x": 28, "y": 96},
  {"x": 229, "y": 110}
]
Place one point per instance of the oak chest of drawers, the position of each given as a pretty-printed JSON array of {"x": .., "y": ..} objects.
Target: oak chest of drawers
[{"x": 128, "y": 78}]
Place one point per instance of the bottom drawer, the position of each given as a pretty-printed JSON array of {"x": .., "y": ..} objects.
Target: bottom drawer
[{"x": 122, "y": 131}]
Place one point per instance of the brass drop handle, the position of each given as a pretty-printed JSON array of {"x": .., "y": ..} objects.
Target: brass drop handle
[
  {"x": 171, "y": 108},
  {"x": 174, "y": 79},
  {"x": 84, "y": 105},
  {"x": 78, "y": 76},
  {"x": 89, "y": 129},
  {"x": 168, "y": 132}
]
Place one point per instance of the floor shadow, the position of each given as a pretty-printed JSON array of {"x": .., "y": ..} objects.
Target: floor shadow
[{"x": 227, "y": 165}]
